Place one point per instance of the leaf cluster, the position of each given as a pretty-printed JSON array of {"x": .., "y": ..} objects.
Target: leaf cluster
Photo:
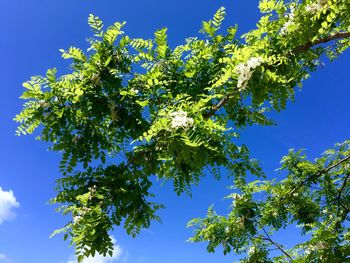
[
  {"x": 132, "y": 109},
  {"x": 314, "y": 196}
]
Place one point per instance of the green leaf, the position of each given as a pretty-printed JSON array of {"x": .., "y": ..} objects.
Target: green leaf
[
  {"x": 75, "y": 53},
  {"x": 51, "y": 75},
  {"x": 219, "y": 16},
  {"x": 96, "y": 24},
  {"x": 161, "y": 41},
  {"x": 142, "y": 103},
  {"x": 113, "y": 32}
]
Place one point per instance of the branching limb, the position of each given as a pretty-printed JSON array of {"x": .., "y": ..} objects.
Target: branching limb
[
  {"x": 278, "y": 246},
  {"x": 329, "y": 38},
  {"x": 320, "y": 173},
  {"x": 338, "y": 198},
  {"x": 299, "y": 49}
]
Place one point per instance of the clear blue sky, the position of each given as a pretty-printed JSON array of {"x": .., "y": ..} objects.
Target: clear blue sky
[{"x": 33, "y": 31}]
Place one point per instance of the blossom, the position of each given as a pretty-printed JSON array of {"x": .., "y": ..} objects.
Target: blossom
[
  {"x": 286, "y": 25},
  {"x": 252, "y": 250},
  {"x": 43, "y": 103},
  {"x": 135, "y": 91},
  {"x": 81, "y": 213},
  {"x": 312, "y": 8},
  {"x": 245, "y": 71},
  {"x": 179, "y": 119},
  {"x": 92, "y": 191},
  {"x": 289, "y": 22},
  {"x": 254, "y": 62},
  {"x": 77, "y": 218},
  {"x": 316, "y": 7}
]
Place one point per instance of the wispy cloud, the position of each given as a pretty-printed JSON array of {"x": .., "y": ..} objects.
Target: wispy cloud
[
  {"x": 101, "y": 259},
  {"x": 5, "y": 259},
  {"x": 7, "y": 203}
]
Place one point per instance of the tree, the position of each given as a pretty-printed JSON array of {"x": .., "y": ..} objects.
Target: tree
[
  {"x": 153, "y": 110},
  {"x": 314, "y": 195}
]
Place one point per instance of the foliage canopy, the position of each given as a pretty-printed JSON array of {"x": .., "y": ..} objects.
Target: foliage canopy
[{"x": 136, "y": 108}]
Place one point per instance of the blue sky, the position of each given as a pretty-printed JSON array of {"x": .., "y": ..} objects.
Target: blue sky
[{"x": 33, "y": 32}]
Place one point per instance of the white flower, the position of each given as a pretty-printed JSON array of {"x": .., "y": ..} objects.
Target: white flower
[
  {"x": 254, "y": 62},
  {"x": 92, "y": 189},
  {"x": 85, "y": 210},
  {"x": 43, "y": 103},
  {"x": 76, "y": 219},
  {"x": 290, "y": 21},
  {"x": 252, "y": 250},
  {"x": 81, "y": 213},
  {"x": 316, "y": 7},
  {"x": 286, "y": 25},
  {"x": 312, "y": 8},
  {"x": 244, "y": 74},
  {"x": 245, "y": 71},
  {"x": 136, "y": 91},
  {"x": 179, "y": 119}
]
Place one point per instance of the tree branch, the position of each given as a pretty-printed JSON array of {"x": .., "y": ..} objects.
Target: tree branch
[
  {"x": 326, "y": 39},
  {"x": 338, "y": 198},
  {"x": 298, "y": 49},
  {"x": 216, "y": 107},
  {"x": 343, "y": 185},
  {"x": 319, "y": 173},
  {"x": 268, "y": 238}
]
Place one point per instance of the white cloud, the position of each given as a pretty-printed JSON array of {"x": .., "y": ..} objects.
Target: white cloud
[
  {"x": 2, "y": 257},
  {"x": 7, "y": 203},
  {"x": 101, "y": 259}
]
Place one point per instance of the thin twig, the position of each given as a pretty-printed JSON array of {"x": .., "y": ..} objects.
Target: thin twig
[
  {"x": 216, "y": 107},
  {"x": 343, "y": 185},
  {"x": 340, "y": 193},
  {"x": 268, "y": 238},
  {"x": 319, "y": 173}
]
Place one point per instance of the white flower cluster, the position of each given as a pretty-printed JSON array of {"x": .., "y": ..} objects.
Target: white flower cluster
[
  {"x": 179, "y": 119},
  {"x": 84, "y": 210},
  {"x": 316, "y": 7},
  {"x": 290, "y": 21},
  {"x": 43, "y": 103},
  {"x": 236, "y": 196},
  {"x": 314, "y": 247},
  {"x": 252, "y": 250},
  {"x": 135, "y": 91},
  {"x": 245, "y": 71},
  {"x": 92, "y": 191},
  {"x": 307, "y": 251}
]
